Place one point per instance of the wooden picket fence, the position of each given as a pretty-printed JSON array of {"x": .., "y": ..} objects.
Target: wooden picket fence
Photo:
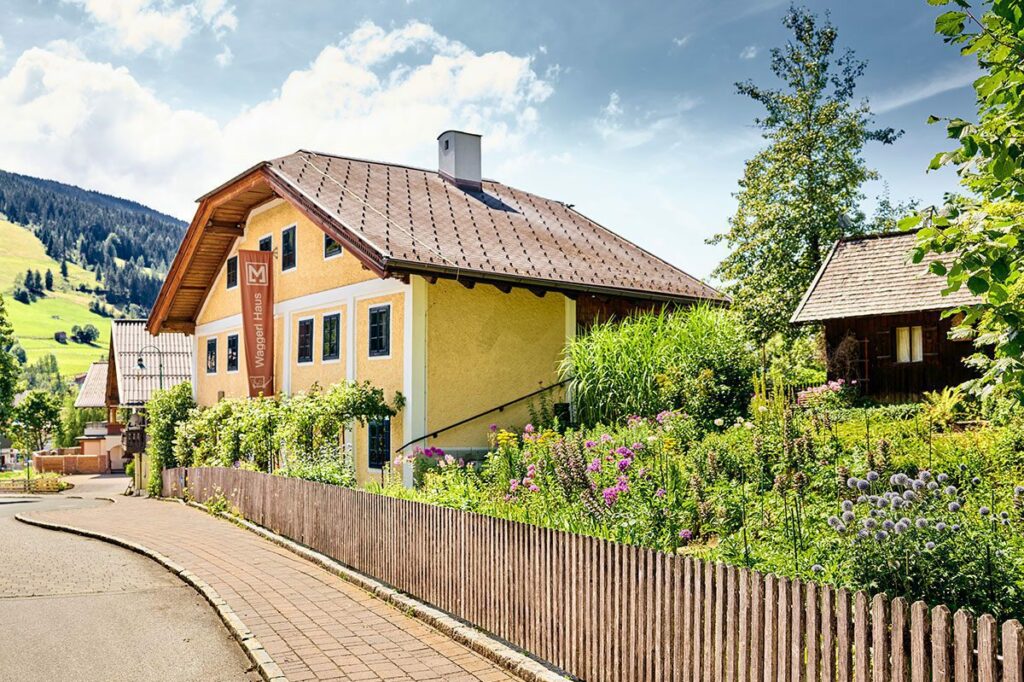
[{"x": 601, "y": 610}]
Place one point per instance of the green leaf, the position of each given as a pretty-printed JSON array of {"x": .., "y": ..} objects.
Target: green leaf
[
  {"x": 910, "y": 222},
  {"x": 950, "y": 23},
  {"x": 937, "y": 268},
  {"x": 934, "y": 119},
  {"x": 977, "y": 284},
  {"x": 938, "y": 2},
  {"x": 1002, "y": 166},
  {"x": 1000, "y": 270}
]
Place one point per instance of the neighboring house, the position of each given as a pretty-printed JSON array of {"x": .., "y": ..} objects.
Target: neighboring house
[
  {"x": 883, "y": 318},
  {"x": 456, "y": 291},
  {"x": 138, "y": 364}
]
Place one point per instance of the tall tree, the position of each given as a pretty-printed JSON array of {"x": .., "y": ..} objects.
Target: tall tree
[
  {"x": 36, "y": 418},
  {"x": 10, "y": 368},
  {"x": 49, "y": 280},
  {"x": 977, "y": 240},
  {"x": 802, "y": 192}
]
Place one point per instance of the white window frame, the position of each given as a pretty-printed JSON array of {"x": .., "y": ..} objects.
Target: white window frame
[
  {"x": 293, "y": 226},
  {"x": 227, "y": 351},
  {"x": 369, "y": 308},
  {"x": 216, "y": 355},
  {"x": 340, "y": 253},
  {"x": 312, "y": 341},
  {"x": 341, "y": 337},
  {"x": 271, "y": 236},
  {"x": 228, "y": 286}
]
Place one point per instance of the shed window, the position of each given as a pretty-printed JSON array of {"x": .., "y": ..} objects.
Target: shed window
[
  {"x": 909, "y": 344},
  {"x": 306, "y": 340},
  {"x": 267, "y": 243},
  {"x": 288, "y": 248},
  {"x": 332, "y": 346},
  {"x": 232, "y": 272},
  {"x": 211, "y": 355},
  {"x": 380, "y": 331},
  {"x": 331, "y": 247},
  {"x": 379, "y": 436},
  {"x": 232, "y": 352}
]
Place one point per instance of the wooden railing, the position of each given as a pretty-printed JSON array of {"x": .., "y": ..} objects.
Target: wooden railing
[{"x": 606, "y": 611}]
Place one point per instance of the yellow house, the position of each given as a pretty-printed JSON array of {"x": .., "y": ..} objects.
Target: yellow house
[{"x": 456, "y": 291}]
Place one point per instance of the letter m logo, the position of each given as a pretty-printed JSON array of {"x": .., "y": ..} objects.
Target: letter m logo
[{"x": 256, "y": 273}]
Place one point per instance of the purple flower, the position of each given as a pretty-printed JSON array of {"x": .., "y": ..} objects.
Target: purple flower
[
  {"x": 605, "y": 438},
  {"x": 872, "y": 476},
  {"x": 610, "y": 495},
  {"x": 929, "y": 546},
  {"x": 849, "y": 517},
  {"x": 984, "y": 511},
  {"x": 660, "y": 492},
  {"x": 847, "y": 505},
  {"x": 921, "y": 523},
  {"x": 686, "y": 535},
  {"x": 590, "y": 444},
  {"x": 492, "y": 428},
  {"x": 863, "y": 485},
  {"x": 595, "y": 465},
  {"x": 528, "y": 428},
  {"x": 624, "y": 451},
  {"x": 954, "y": 506},
  {"x": 624, "y": 463}
]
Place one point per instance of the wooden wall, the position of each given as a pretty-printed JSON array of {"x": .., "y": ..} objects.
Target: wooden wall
[{"x": 883, "y": 378}]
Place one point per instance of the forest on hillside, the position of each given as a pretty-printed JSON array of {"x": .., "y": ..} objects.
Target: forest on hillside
[{"x": 129, "y": 246}]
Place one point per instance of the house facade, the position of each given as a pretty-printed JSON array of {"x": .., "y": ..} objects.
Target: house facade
[
  {"x": 457, "y": 292},
  {"x": 883, "y": 319}
]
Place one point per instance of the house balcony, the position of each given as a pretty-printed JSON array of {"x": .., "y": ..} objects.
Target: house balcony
[{"x": 99, "y": 429}]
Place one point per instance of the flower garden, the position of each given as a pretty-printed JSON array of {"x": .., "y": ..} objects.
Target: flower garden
[{"x": 682, "y": 445}]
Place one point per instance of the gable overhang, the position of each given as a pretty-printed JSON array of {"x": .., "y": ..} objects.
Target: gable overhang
[{"x": 218, "y": 222}]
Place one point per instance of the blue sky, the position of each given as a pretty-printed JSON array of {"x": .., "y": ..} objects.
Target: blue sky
[{"x": 626, "y": 109}]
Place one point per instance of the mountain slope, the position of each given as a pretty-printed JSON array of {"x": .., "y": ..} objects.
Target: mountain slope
[
  {"x": 128, "y": 244},
  {"x": 59, "y": 310}
]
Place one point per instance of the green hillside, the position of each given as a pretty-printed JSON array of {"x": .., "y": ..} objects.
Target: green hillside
[{"x": 36, "y": 323}]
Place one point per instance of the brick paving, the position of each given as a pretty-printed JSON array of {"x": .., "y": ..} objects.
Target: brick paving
[{"x": 314, "y": 625}]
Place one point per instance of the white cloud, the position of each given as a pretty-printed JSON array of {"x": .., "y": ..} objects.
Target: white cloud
[
  {"x": 224, "y": 57},
  {"x": 962, "y": 74},
  {"x": 749, "y": 52},
  {"x": 621, "y": 131},
  {"x": 681, "y": 41},
  {"x": 140, "y": 25},
  {"x": 378, "y": 93}
]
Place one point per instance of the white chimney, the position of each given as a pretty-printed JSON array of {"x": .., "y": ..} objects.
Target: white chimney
[{"x": 458, "y": 158}]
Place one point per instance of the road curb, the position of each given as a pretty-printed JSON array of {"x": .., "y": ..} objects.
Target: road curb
[
  {"x": 513, "y": 660},
  {"x": 269, "y": 670}
]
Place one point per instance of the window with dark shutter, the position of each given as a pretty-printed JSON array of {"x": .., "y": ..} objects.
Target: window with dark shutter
[
  {"x": 267, "y": 243},
  {"x": 331, "y": 248},
  {"x": 930, "y": 344},
  {"x": 288, "y": 248},
  {"x": 380, "y": 331},
  {"x": 211, "y": 355},
  {"x": 379, "y": 436},
  {"x": 331, "y": 331},
  {"x": 305, "y": 345},
  {"x": 233, "y": 352},
  {"x": 232, "y": 272},
  {"x": 883, "y": 346}
]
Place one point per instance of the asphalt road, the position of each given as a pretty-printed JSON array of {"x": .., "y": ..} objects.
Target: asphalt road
[{"x": 72, "y": 608}]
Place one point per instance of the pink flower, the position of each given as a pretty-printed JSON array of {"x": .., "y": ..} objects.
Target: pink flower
[
  {"x": 513, "y": 484},
  {"x": 624, "y": 463},
  {"x": 534, "y": 488},
  {"x": 590, "y": 444},
  {"x": 528, "y": 428},
  {"x": 610, "y": 495},
  {"x": 660, "y": 492},
  {"x": 492, "y": 428},
  {"x": 624, "y": 451},
  {"x": 686, "y": 535},
  {"x": 605, "y": 438},
  {"x": 595, "y": 465}
]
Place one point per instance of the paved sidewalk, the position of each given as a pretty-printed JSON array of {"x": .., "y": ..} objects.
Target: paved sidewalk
[{"x": 311, "y": 622}]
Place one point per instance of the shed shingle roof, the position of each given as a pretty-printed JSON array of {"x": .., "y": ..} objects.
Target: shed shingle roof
[
  {"x": 129, "y": 340},
  {"x": 93, "y": 392},
  {"x": 414, "y": 216},
  {"x": 874, "y": 275}
]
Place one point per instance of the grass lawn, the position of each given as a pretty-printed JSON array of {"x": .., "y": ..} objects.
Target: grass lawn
[{"x": 61, "y": 309}]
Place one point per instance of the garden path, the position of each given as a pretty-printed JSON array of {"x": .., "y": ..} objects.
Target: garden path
[{"x": 313, "y": 624}]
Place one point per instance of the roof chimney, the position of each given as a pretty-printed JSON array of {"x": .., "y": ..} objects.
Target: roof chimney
[{"x": 458, "y": 158}]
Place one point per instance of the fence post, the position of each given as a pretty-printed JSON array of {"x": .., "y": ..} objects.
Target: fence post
[{"x": 1013, "y": 652}]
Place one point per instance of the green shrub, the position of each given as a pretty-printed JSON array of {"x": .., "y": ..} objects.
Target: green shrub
[
  {"x": 698, "y": 361},
  {"x": 164, "y": 412}
]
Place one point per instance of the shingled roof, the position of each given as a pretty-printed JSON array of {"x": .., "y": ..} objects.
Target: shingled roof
[
  {"x": 873, "y": 275},
  {"x": 166, "y": 360},
  {"x": 401, "y": 220},
  {"x": 93, "y": 392}
]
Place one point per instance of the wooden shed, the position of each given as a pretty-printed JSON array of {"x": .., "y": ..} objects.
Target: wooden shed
[{"x": 883, "y": 321}]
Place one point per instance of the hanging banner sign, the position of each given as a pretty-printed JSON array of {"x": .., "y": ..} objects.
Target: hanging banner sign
[{"x": 256, "y": 270}]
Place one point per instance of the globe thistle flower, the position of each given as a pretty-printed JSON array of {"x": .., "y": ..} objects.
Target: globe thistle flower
[
  {"x": 863, "y": 485},
  {"x": 1005, "y": 522},
  {"x": 905, "y": 521},
  {"x": 917, "y": 484},
  {"x": 901, "y": 479},
  {"x": 881, "y": 536},
  {"x": 924, "y": 475},
  {"x": 899, "y": 528},
  {"x": 932, "y": 485},
  {"x": 940, "y": 526},
  {"x": 929, "y": 545},
  {"x": 955, "y": 527},
  {"x": 817, "y": 568},
  {"x": 872, "y": 476},
  {"x": 847, "y": 505},
  {"x": 851, "y": 482},
  {"x": 909, "y": 495},
  {"x": 950, "y": 490},
  {"x": 863, "y": 535},
  {"x": 954, "y": 506},
  {"x": 984, "y": 511},
  {"x": 1018, "y": 490},
  {"x": 1004, "y": 515},
  {"x": 976, "y": 481},
  {"x": 942, "y": 478},
  {"x": 921, "y": 522},
  {"x": 870, "y": 524},
  {"x": 897, "y": 503},
  {"x": 849, "y": 517},
  {"x": 861, "y": 499},
  {"x": 874, "y": 512},
  {"x": 889, "y": 524},
  {"x": 833, "y": 521}
]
